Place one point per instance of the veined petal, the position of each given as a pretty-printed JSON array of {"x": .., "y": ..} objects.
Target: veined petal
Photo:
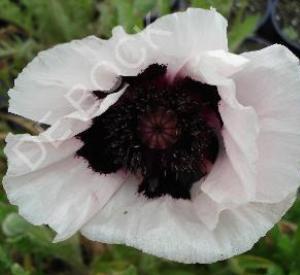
[
  {"x": 179, "y": 37},
  {"x": 225, "y": 184},
  {"x": 233, "y": 176},
  {"x": 172, "y": 229},
  {"x": 57, "y": 82},
  {"x": 51, "y": 186},
  {"x": 214, "y": 67},
  {"x": 270, "y": 84},
  {"x": 61, "y": 81}
]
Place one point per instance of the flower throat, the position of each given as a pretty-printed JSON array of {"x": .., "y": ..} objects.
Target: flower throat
[{"x": 165, "y": 133}]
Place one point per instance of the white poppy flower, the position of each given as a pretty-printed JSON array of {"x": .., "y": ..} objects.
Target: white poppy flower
[{"x": 161, "y": 140}]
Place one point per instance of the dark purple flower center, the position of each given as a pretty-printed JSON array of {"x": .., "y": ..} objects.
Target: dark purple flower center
[
  {"x": 158, "y": 129},
  {"x": 164, "y": 131}
]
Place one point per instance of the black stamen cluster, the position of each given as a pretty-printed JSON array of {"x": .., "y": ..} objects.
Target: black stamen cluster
[{"x": 115, "y": 139}]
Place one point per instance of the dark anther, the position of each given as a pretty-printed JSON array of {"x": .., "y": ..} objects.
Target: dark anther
[{"x": 164, "y": 131}]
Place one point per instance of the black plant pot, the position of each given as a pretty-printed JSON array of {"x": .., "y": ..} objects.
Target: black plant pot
[
  {"x": 268, "y": 29},
  {"x": 179, "y": 5},
  {"x": 253, "y": 43}
]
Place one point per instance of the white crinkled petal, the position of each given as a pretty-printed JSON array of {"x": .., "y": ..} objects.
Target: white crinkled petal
[
  {"x": 78, "y": 121},
  {"x": 57, "y": 82},
  {"x": 173, "y": 229},
  {"x": 128, "y": 54},
  {"x": 239, "y": 133},
  {"x": 74, "y": 123},
  {"x": 270, "y": 84},
  {"x": 172, "y": 40},
  {"x": 26, "y": 153},
  {"x": 233, "y": 176},
  {"x": 224, "y": 185},
  {"x": 52, "y": 186},
  {"x": 214, "y": 66},
  {"x": 60, "y": 81},
  {"x": 278, "y": 166},
  {"x": 179, "y": 37},
  {"x": 208, "y": 210}
]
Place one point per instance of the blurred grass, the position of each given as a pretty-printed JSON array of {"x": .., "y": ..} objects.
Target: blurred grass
[{"x": 28, "y": 26}]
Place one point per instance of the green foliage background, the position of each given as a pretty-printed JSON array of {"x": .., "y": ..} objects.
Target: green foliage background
[{"x": 28, "y": 26}]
